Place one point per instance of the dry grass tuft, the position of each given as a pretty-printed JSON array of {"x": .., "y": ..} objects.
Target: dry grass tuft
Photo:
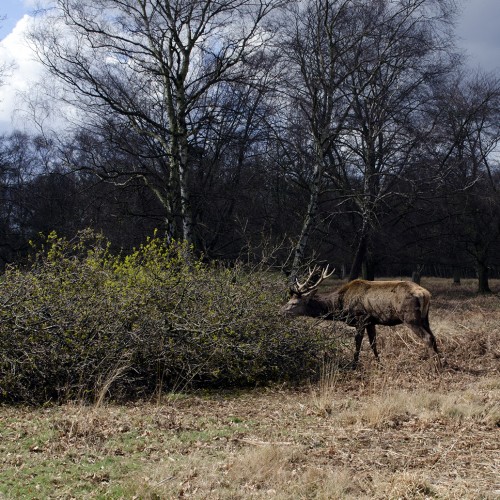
[
  {"x": 322, "y": 394},
  {"x": 396, "y": 407},
  {"x": 282, "y": 472},
  {"x": 264, "y": 467},
  {"x": 335, "y": 484},
  {"x": 406, "y": 486}
]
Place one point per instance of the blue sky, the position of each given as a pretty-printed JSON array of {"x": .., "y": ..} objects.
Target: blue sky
[{"x": 13, "y": 10}]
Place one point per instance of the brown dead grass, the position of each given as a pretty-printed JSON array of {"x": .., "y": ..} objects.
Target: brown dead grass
[{"x": 402, "y": 430}]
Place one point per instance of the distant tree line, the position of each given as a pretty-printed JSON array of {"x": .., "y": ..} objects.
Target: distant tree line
[{"x": 345, "y": 131}]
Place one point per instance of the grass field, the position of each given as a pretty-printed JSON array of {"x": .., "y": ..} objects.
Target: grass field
[{"x": 402, "y": 430}]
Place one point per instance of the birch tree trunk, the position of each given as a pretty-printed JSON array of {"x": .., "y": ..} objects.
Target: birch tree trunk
[{"x": 308, "y": 223}]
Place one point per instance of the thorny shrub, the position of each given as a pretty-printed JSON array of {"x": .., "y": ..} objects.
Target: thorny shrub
[{"x": 81, "y": 320}]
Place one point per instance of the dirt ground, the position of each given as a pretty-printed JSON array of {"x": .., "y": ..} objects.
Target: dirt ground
[{"x": 403, "y": 430}]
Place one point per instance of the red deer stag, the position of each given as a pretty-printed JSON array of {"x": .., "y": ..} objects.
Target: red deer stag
[{"x": 364, "y": 304}]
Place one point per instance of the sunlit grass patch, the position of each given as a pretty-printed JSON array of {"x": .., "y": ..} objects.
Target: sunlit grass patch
[{"x": 394, "y": 407}]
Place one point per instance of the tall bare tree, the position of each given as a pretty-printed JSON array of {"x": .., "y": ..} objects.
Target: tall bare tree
[
  {"x": 151, "y": 65},
  {"x": 357, "y": 73},
  {"x": 406, "y": 48},
  {"x": 316, "y": 49}
]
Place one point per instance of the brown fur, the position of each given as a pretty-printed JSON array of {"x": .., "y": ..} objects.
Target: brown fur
[{"x": 364, "y": 304}]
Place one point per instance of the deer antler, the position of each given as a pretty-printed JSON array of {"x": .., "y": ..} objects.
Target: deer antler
[{"x": 306, "y": 287}]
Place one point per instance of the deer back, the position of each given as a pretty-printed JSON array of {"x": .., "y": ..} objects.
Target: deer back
[{"x": 386, "y": 302}]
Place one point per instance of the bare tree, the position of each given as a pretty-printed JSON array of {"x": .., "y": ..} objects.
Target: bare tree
[
  {"x": 358, "y": 73},
  {"x": 318, "y": 41},
  {"x": 151, "y": 66},
  {"x": 404, "y": 51},
  {"x": 466, "y": 150}
]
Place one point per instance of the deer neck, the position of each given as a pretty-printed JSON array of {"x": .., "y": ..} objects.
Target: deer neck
[{"x": 320, "y": 306}]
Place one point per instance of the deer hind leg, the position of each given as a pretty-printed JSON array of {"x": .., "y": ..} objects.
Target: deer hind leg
[
  {"x": 421, "y": 332},
  {"x": 431, "y": 340},
  {"x": 419, "y": 324},
  {"x": 372, "y": 336},
  {"x": 428, "y": 336}
]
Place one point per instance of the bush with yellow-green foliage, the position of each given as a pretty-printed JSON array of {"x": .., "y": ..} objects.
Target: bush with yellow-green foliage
[{"x": 81, "y": 322}]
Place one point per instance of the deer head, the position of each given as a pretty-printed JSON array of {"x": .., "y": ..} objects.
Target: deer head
[{"x": 301, "y": 293}]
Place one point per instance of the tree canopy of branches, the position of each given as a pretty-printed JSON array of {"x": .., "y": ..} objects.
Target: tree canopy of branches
[{"x": 148, "y": 72}]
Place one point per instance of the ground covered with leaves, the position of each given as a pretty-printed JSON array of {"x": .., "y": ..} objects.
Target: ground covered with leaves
[{"x": 402, "y": 430}]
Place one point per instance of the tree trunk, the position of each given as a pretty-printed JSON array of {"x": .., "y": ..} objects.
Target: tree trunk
[
  {"x": 359, "y": 257},
  {"x": 368, "y": 269},
  {"x": 187, "y": 220},
  {"x": 308, "y": 223},
  {"x": 179, "y": 148},
  {"x": 343, "y": 271},
  {"x": 482, "y": 276},
  {"x": 481, "y": 254},
  {"x": 164, "y": 196}
]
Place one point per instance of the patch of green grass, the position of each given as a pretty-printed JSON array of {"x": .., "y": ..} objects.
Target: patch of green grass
[
  {"x": 39, "y": 461},
  {"x": 46, "y": 477},
  {"x": 85, "y": 452},
  {"x": 194, "y": 436}
]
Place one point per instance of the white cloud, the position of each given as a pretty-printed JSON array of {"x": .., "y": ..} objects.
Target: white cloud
[{"x": 26, "y": 71}]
